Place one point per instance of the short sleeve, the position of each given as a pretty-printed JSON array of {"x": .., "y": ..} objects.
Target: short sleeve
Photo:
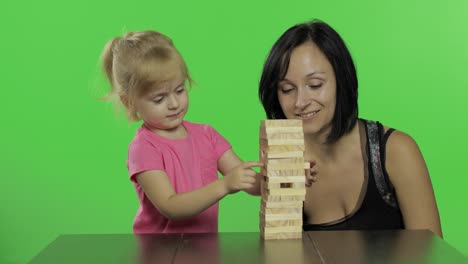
[
  {"x": 220, "y": 144},
  {"x": 143, "y": 157}
]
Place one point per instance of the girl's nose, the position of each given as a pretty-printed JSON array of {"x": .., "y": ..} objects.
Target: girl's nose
[{"x": 173, "y": 102}]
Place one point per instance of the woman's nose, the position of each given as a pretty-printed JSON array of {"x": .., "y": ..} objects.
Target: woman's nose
[{"x": 302, "y": 99}]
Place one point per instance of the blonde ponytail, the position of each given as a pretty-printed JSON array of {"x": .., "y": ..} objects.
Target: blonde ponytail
[{"x": 107, "y": 60}]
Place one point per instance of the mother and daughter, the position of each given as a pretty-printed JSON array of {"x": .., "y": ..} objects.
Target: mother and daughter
[{"x": 364, "y": 175}]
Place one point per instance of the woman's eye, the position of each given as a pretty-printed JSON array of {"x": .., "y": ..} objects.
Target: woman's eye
[
  {"x": 315, "y": 85},
  {"x": 287, "y": 90}
]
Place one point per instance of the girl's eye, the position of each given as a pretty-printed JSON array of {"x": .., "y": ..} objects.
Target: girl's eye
[
  {"x": 158, "y": 99},
  {"x": 181, "y": 90}
]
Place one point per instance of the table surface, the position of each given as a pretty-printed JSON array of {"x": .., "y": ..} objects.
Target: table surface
[{"x": 395, "y": 246}]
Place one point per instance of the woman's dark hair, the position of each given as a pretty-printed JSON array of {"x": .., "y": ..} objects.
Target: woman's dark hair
[{"x": 334, "y": 48}]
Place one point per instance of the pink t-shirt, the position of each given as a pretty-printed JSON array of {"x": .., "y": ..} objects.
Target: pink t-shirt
[{"x": 189, "y": 163}]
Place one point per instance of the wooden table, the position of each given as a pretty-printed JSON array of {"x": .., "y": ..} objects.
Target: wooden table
[{"x": 400, "y": 246}]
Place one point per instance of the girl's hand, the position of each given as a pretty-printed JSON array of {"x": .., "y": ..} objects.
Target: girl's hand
[
  {"x": 241, "y": 177},
  {"x": 311, "y": 174}
]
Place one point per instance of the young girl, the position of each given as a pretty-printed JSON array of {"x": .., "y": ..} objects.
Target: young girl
[{"x": 172, "y": 163}]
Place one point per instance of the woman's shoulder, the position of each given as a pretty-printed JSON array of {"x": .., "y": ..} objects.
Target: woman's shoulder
[
  {"x": 395, "y": 137},
  {"x": 403, "y": 155},
  {"x": 398, "y": 140},
  {"x": 401, "y": 150}
]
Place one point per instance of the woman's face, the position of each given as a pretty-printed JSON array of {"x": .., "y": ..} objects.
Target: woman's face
[{"x": 308, "y": 91}]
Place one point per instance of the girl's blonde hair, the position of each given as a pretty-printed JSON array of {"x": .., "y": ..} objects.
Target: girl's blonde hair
[{"x": 138, "y": 62}]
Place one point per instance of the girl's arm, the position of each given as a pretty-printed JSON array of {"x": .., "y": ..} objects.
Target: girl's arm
[
  {"x": 229, "y": 160},
  {"x": 179, "y": 206},
  {"x": 160, "y": 192},
  {"x": 408, "y": 173}
]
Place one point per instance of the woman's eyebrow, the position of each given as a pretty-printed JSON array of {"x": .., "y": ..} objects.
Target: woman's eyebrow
[
  {"x": 307, "y": 76},
  {"x": 314, "y": 73}
]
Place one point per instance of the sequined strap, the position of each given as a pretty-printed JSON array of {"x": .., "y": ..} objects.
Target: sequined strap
[{"x": 373, "y": 136}]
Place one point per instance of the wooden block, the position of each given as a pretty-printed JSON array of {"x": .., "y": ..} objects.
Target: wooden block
[
  {"x": 271, "y": 130},
  {"x": 268, "y": 185},
  {"x": 277, "y": 149},
  {"x": 284, "y": 126},
  {"x": 278, "y": 135},
  {"x": 288, "y": 154},
  {"x": 281, "y": 142},
  {"x": 286, "y": 160},
  {"x": 286, "y": 191},
  {"x": 286, "y": 222},
  {"x": 283, "y": 198},
  {"x": 288, "y": 204},
  {"x": 298, "y": 185},
  {"x": 277, "y": 217},
  {"x": 281, "y": 152},
  {"x": 286, "y": 185},
  {"x": 281, "y": 123},
  {"x": 285, "y": 179},
  {"x": 281, "y": 172},
  {"x": 286, "y": 166},
  {"x": 297, "y": 222},
  {"x": 283, "y": 166},
  {"x": 286, "y": 210}
]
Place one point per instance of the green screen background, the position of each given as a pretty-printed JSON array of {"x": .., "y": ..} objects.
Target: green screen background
[{"x": 62, "y": 154}]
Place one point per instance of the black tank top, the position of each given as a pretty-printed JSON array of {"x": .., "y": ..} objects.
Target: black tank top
[{"x": 379, "y": 209}]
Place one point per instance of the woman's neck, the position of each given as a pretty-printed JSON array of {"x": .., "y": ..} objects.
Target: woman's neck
[{"x": 317, "y": 147}]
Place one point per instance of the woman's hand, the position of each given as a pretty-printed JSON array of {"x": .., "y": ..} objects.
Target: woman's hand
[{"x": 311, "y": 174}]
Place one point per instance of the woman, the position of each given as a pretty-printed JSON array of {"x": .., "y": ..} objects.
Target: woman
[{"x": 369, "y": 176}]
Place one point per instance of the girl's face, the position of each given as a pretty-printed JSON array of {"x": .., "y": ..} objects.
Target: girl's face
[
  {"x": 163, "y": 108},
  {"x": 308, "y": 90}
]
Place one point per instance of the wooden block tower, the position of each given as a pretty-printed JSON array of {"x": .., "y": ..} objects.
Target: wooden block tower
[{"x": 283, "y": 178}]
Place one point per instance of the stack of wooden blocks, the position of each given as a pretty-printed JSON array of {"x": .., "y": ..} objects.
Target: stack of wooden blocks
[{"x": 283, "y": 178}]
